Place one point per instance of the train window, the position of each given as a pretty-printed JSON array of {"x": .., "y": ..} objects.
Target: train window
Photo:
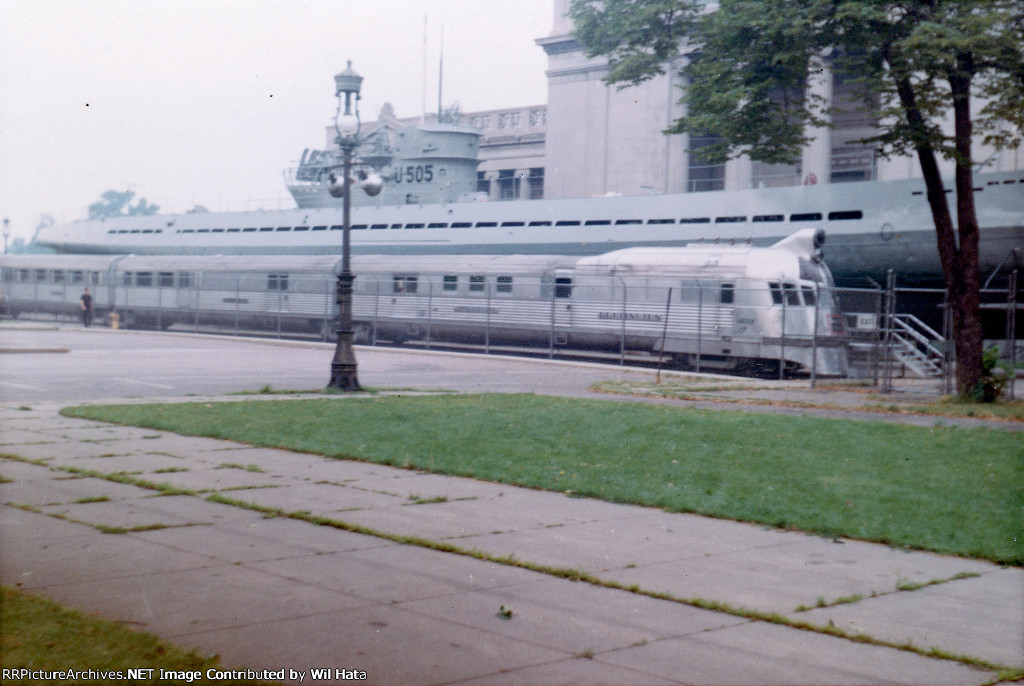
[
  {"x": 23, "y": 275},
  {"x": 597, "y": 222},
  {"x": 58, "y": 276},
  {"x": 727, "y": 295},
  {"x": 127, "y": 279},
  {"x": 695, "y": 220},
  {"x": 77, "y": 276},
  {"x": 40, "y": 275},
  {"x": 165, "y": 279},
  {"x": 806, "y": 217},
  {"x": 144, "y": 279},
  {"x": 504, "y": 284},
  {"x": 277, "y": 282},
  {"x": 848, "y": 214},
  {"x": 792, "y": 295},
  {"x": 540, "y": 223},
  {"x": 185, "y": 280},
  {"x": 567, "y": 222},
  {"x": 769, "y": 218},
  {"x": 96, "y": 277},
  {"x": 776, "y": 289},
  {"x": 661, "y": 221},
  {"x": 730, "y": 220},
  {"x": 563, "y": 286},
  {"x": 461, "y": 225},
  {"x": 404, "y": 284},
  {"x": 808, "y": 295},
  {"x": 451, "y": 282},
  {"x": 476, "y": 283}
]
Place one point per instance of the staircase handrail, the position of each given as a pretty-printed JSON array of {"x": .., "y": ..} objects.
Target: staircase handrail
[{"x": 913, "y": 327}]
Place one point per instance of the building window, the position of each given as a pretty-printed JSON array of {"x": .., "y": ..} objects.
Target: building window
[
  {"x": 538, "y": 117},
  {"x": 703, "y": 175},
  {"x": 536, "y": 181}
]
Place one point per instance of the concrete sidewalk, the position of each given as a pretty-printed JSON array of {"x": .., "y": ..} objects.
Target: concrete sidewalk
[{"x": 282, "y": 593}]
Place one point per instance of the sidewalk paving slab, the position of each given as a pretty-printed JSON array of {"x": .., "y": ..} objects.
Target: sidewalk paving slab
[{"x": 275, "y": 592}]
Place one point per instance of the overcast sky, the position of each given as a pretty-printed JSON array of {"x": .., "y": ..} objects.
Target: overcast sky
[{"x": 207, "y": 101}]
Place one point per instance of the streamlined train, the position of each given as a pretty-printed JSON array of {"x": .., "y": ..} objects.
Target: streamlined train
[{"x": 715, "y": 306}]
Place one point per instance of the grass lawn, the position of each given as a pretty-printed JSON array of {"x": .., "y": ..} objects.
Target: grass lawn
[
  {"x": 946, "y": 489},
  {"x": 38, "y": 634}
]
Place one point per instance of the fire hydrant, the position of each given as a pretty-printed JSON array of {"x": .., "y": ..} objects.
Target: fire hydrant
[{"x": 115, "y": 321}]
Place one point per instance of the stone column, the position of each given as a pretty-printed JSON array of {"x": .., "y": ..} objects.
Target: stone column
[{"x": 816, "y": 161}]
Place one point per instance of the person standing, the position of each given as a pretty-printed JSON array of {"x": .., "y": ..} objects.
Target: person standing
[{"x": 86, "y": 308}]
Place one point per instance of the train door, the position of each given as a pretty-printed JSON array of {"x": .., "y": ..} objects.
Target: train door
[
  {"x": 187, "y": 294},
  {"x": 561, "y": 306},
  {"x": 725, "y": 323}
]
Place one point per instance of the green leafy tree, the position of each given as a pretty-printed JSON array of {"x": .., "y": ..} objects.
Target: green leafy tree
[
  {"x": 119, "y": 204},
  {"x": 914, "y": 63}
]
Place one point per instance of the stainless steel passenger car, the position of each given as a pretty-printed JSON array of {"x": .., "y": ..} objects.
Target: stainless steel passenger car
[{"x": 707, "y": 305}]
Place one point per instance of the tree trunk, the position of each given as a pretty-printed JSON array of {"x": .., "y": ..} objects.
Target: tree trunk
[
  {"x": 963, "y": 278},
  {"x": 960, "y": 265}
]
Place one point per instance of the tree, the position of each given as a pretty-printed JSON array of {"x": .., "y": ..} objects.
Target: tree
[
  {"x": 119, "y": 204},
  {"x": 751, "y": 65}
]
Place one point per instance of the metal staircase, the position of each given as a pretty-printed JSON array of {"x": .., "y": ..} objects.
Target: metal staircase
[{"x": 915, "y": 345}]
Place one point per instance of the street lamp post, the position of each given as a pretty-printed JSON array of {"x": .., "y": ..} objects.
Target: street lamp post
[
  {"x": 346, "y": 123},
  {"x": 7, "y": 232}
]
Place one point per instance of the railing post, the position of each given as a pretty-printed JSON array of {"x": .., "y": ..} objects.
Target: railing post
[
  {"x": 238, "y": 296},
  {"x": 430, "y": 309},
  {"x": 622, "y": 333},
  {"x": 700, "y": 319},
  {"x": 1011, "y": 329},
  {"x": 487, "y": 332},
  {"x": 664, "y": 334},
  {"x": 551, "y": 337},
  {"x": 890, "y": 305},
  {"x": 376, "y": 312},
  {"x": 782, "y": 334},
  {"x": 814, "y": 334}
]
